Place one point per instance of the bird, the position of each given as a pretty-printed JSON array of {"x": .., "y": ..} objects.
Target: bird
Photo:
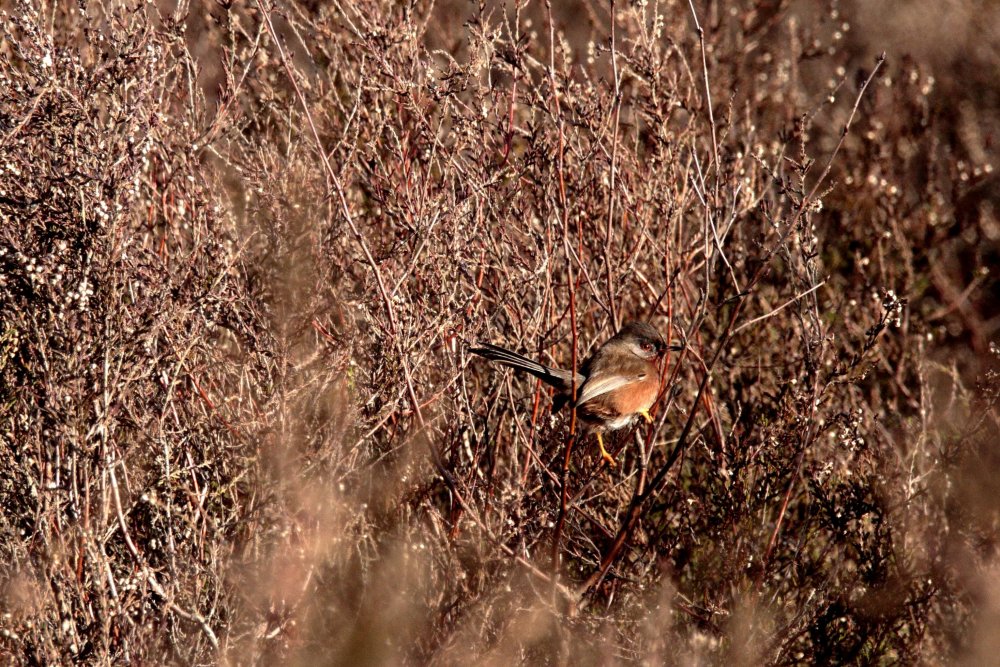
[{"x": 618, "y": 383}]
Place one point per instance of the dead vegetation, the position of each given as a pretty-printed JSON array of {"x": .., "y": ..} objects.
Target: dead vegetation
[{"x": 244, "y": 245}]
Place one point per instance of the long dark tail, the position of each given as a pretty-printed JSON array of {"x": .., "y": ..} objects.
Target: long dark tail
[{"x": 558, "y": 378}]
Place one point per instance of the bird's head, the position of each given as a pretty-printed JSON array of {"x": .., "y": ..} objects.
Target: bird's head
[{"x": 643, "y": 340}]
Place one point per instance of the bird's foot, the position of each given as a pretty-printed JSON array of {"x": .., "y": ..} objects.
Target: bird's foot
[
  {"x": 610, "y": 459},
  {"x": 645, "y": 415},
  {"x": 604, "y": 453}
]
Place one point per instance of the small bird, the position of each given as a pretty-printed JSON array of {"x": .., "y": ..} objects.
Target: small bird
[{"x": 617, "y": 383}]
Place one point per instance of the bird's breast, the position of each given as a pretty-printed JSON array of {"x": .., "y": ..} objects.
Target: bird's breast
[{"x": 636, "y": 396}]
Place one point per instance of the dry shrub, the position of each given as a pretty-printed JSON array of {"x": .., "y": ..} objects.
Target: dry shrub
[{"x": 243, "y": 249}]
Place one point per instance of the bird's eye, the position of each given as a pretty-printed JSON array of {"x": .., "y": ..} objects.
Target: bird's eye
[{"x": 647, "y": 346}]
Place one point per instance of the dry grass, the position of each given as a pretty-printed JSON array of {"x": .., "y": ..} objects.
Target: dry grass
[{"x": 244, "y": 245}]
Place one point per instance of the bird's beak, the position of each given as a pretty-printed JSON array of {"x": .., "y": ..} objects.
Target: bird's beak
[{"x": 675, "y": 347}]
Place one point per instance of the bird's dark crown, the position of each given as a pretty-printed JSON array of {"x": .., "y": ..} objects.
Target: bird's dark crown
[
  {"x": 644, "y": 340},
  {"x": 641, "y": 332}
]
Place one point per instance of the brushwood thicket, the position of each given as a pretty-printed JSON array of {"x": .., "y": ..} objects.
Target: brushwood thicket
[{"x": 244, "y": 247}]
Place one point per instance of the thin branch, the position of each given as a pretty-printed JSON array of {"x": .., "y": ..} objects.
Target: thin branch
[{"x": 779, "y": 308}]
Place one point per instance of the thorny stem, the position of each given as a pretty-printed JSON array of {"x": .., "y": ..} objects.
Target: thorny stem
[
  {"x": 564, "y": 211},
  {"x": 708, "y": 94},
  {"x": 612, "y": 305}
]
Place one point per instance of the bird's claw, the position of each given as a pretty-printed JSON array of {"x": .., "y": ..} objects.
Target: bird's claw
[
  {"x": 604, "y": 453},
  {"x": 645, "y": 415},
  {"x": 610, "y": 459}
]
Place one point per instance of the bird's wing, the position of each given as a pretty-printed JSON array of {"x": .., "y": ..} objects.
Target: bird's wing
[{"x": 603, "y": 384}]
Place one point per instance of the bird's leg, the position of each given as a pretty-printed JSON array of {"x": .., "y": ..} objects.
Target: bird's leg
[
  {"x": 645, "y": 415},
  {"x": 604, "y": 453}
]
